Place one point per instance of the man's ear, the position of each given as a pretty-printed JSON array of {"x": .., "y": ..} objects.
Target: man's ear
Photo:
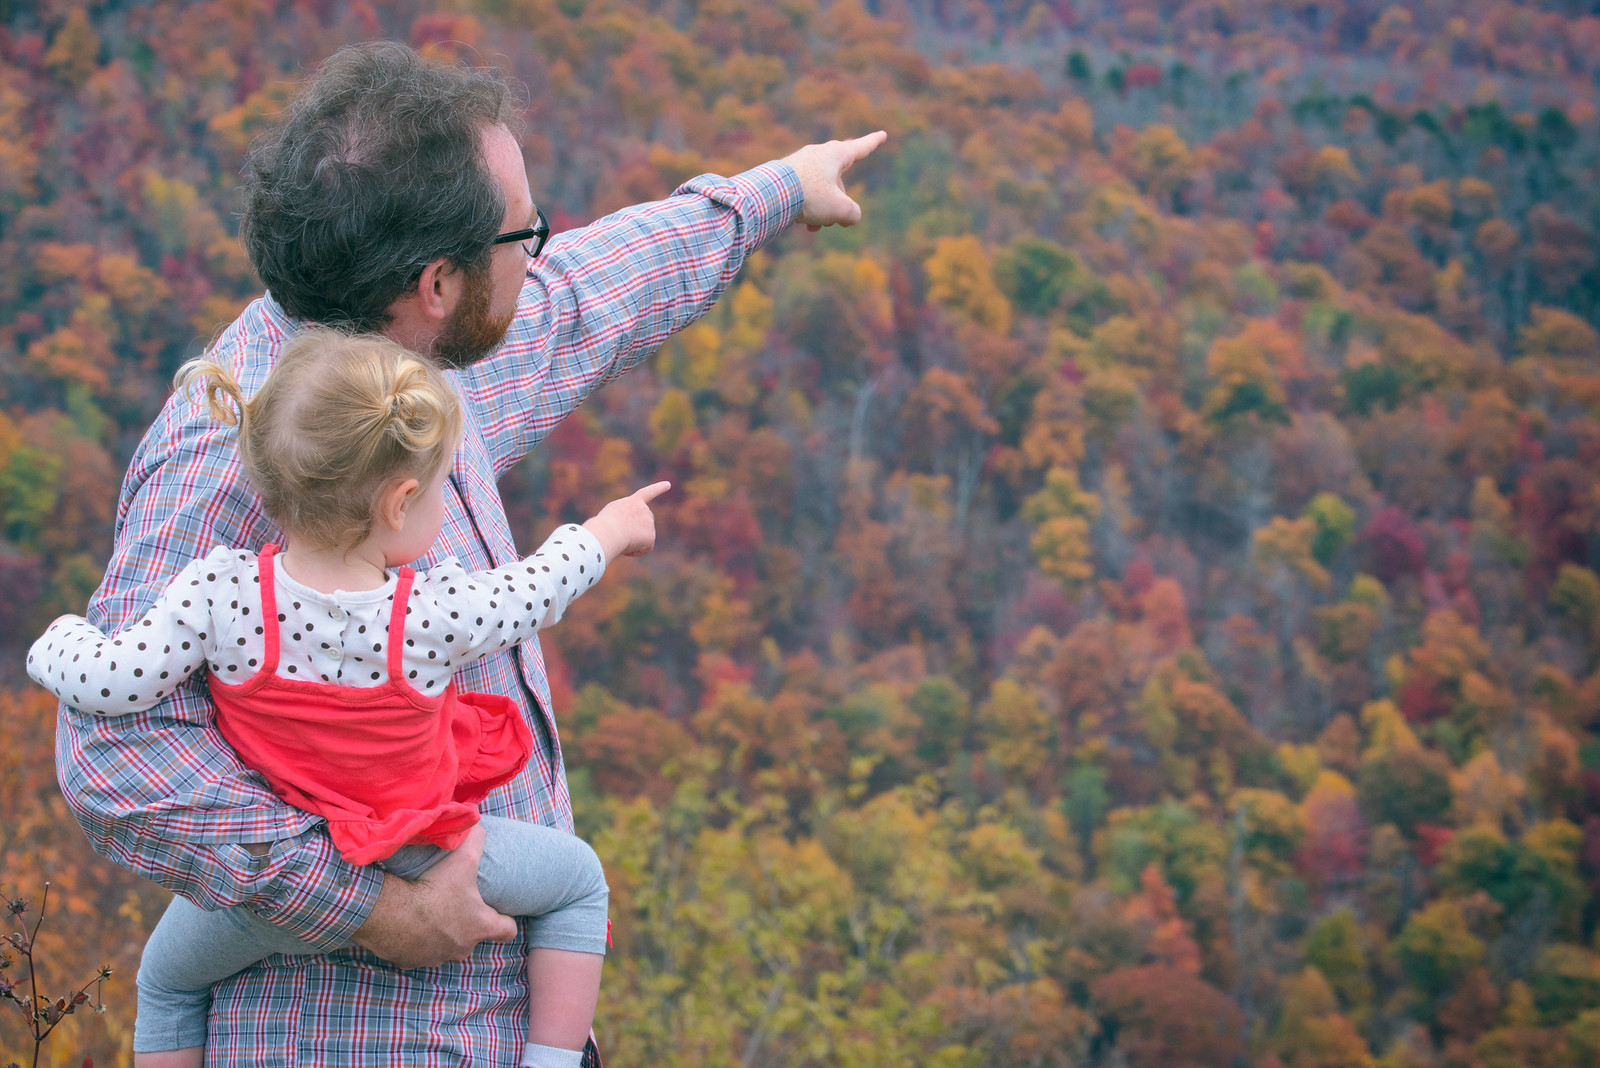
[
  {"x": 438, "y": 289},
  {"x": 390, "y": 508}
]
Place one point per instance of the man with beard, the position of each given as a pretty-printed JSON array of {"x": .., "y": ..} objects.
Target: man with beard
[{"x": 394, "y": 199}]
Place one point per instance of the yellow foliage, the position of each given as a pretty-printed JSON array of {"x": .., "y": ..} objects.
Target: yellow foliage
[
  {"x": 1272, "y": 821},
  {"x": 1262, "y": 352},
  {"x": 961, "y": 278},
  {"x": 750, "y": 317},
  {"x": 1330, "y": 165},
  {"x": 172, "y": 204},
  {"x": 1332, "y": 1041},
  {"x": 670, "y": 420},
  {"x": 1386, "y": 728},
  {"x": 1556, "y": 842},
  {"x": 1556, "y": 334},
  {"x": 699, "y": 356},
  {"x": 74, "y": 53},
  {"x": 1330, "y": 785},
  {"x": 725, "y": 621},
  {"x": 1430, "y": 204},
  {"x": 10, "y": 439},
  {"x": 1302, "y": 763},
  {"x": 1110, "y": 397},
  {"x": 135, "y": 289},
  {"x": 1054, "y": 437},
  {"x": 1483, "y": 793},
  {"x": 1062, "y": 513},
  {"x": 1161, "y": 160},
  {"x": 999, "y": 855},
  {"x": 234, "y": 129},
  {"x": 612, "y": 470},
  {"x": 1119, "y": 212},
  {"x": 1020, "y": 732},
  {"x": 1288, "y": 542}
]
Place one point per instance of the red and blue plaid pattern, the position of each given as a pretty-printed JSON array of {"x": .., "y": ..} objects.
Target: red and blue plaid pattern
[{"x": 161, "y": 794}]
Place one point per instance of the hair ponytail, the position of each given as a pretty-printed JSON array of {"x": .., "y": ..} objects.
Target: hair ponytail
[
  {"x": 414, "y": 406},
  {"x": 215, "y": 383}
]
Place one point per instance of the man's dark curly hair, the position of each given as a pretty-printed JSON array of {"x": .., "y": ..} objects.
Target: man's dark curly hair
[{"x": 378, "y": 171}]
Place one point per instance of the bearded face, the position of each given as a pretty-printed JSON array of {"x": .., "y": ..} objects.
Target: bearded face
[{"x": 473, "y": 331}]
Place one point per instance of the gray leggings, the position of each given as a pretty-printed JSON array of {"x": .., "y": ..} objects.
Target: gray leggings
[{"x": 527, "y": 870}]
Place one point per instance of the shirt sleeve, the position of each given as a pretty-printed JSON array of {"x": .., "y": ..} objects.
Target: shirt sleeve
[
  {"x": 160, "y": 792},
  {"x": 468, "y": 615},
  {"x": 143, "y": 664},
  {"x": 602, "y": 298}
]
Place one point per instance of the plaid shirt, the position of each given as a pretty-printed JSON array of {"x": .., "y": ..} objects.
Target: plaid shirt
[{"x": 161, "y": 794}]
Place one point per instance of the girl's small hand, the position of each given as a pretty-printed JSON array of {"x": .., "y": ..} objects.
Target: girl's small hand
[{"x": 627, "y": 527}]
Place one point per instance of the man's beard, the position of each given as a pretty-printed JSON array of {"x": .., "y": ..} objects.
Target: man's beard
[{"x": 472, "y": 331}]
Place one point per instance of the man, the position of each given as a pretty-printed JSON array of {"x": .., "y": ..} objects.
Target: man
[{"x": 395, "y": 199}]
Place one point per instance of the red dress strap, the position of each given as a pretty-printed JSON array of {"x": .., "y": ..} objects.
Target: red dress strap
[
  {"x": 269, "y": 607},
  {"x": 397, "y": 624}
]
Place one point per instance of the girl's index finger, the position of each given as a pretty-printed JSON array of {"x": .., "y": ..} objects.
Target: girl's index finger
[{"x": 652, "y": 491}]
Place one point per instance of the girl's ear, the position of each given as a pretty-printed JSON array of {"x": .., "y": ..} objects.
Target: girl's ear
[{"x": 393, "y": 500}]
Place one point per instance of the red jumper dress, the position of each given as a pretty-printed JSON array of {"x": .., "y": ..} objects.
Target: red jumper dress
[{"x": 385, "y": 765}]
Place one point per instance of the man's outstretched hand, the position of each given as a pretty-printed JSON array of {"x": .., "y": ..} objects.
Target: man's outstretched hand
[
  {"x": 439, "y": 917},
  {"x": 821, "y": 169}
]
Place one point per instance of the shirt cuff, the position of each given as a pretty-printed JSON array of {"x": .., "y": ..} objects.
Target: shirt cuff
[
  {"x": 318, "y": 896},
  {"x": 768, "y": 198},
  {"x": 588, "y": 545}
]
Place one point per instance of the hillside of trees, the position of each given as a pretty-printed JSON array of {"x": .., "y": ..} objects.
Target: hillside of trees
[{"x": 1133, "y": 601}]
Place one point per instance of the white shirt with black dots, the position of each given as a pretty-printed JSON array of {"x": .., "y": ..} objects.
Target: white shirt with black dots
[{"x": 210, "y": 615}]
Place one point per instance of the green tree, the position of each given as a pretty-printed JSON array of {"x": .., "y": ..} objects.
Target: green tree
[
  {"x": 1436, "y": 947},
  {"x": 1405, "y": 786},
  {"x": 1335, "y": 948}
]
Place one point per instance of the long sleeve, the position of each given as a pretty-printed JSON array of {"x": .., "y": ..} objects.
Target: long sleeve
[
  {"x": 141, "y": 665},
  {"x": 602, "y": 298},
  {"x": 463, "y": 616}
]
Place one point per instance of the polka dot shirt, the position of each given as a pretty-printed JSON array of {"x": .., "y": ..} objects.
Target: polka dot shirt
[{"x": 210, "y": 616}]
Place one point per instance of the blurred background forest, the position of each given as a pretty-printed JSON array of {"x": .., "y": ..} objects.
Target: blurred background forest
[{"x": 1131, "y": 602}]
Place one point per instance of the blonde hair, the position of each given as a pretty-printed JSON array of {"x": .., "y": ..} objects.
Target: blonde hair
[{"x": 339, "y": 417}]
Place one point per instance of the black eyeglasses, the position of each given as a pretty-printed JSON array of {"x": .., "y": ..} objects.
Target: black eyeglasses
[{"x": 532, "y": 239}]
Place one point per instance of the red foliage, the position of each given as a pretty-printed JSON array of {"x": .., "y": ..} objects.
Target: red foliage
[
  {"x": 1431, "y": 840},
  {"x": 1419, "y": 697},
  {"x": 1142, "y": 76},
  {"x": 1393, "y": 545},
  {"x": 1335, "y": 846},
  {"x": 1160, "y": 1017}
]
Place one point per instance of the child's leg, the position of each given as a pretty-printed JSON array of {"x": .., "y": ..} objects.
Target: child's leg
[
  {"x": 563, "y": 987},
  {"x": 555, "y": 878},
  {"x": 188, "y": 951}
]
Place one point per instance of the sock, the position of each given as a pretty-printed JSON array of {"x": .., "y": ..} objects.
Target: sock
[{"x": 537, "y": 1056}]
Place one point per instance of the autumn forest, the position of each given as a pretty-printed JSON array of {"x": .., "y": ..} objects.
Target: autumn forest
[{"x": 1134, "y": 601}]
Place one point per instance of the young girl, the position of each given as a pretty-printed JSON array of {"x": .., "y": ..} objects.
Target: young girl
[{"x": 330, "y": 666}]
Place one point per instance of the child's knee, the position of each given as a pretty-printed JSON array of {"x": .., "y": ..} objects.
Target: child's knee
[
  {"x": 591, "y": 873},
  {"x": 169, "y": 1016}
]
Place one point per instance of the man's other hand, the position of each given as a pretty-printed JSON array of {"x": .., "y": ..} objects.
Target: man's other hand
[
  {"x": 821, "y": 169},
  {"x": 439, "y": 917}
]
